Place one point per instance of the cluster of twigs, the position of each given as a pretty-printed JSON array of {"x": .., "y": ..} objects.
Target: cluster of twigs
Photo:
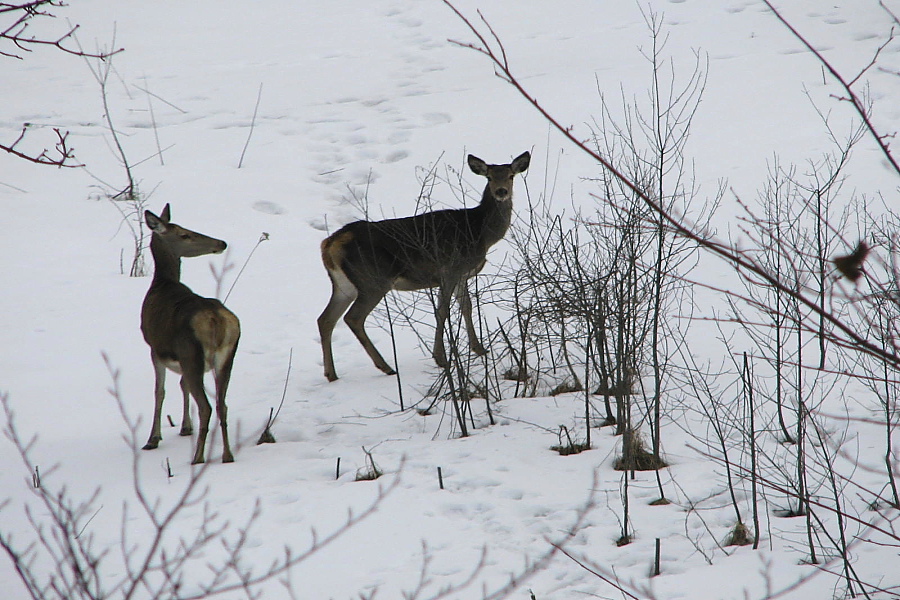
[{"x": 16, "y": 39}]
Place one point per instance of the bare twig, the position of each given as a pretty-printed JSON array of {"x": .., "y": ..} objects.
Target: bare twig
[
  {"x": 252, "y": 126},
  {"x": 262, "y": 238},
  {"x": 852, "y": 97},
  {"x": 65, "y": 156}
]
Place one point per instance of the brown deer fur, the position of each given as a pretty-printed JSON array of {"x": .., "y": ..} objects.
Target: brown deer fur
[
  {"x": 187, "y": 333},
  {"x": 440, "y": 249}
]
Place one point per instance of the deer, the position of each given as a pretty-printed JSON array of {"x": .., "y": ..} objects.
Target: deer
[
  {"x": 439, "y": 249},
  {"x": 187, "y": 333}
]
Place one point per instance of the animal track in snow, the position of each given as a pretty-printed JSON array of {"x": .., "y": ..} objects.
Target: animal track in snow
[
  {"x": 343, "y": 152},
  {"x": 268, "y": 207},
  {"x": 395, "y": 156},
  {"x": 437, "y": 118},
  {"x": 319, "y": 224},
  {"x": 512, "y": 494}
]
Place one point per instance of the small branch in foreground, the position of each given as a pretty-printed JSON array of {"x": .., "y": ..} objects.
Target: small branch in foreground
[
  {"x": 852, "y": 97},
  {"x": 65, "y": 156},
  {"x": 267, "y": 437},
  {"x": 16, "y": 33},
  {"x": 263, "y": 237},
  {"x": 252, "y": 126}
]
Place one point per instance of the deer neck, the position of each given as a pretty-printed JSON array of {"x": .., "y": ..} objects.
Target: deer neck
[
  {"x": 167, "y": 263},
  {"x": 496, "y": 216}
]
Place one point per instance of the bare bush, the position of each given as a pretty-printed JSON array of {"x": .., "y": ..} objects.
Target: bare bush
[
  {"x": 819, "y": 287},
  {"x": 191, "y": 551}
]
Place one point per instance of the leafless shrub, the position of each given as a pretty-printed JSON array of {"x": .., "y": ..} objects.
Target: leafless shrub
[
  {"x": 567, "y": 446},
  {"x": 830, "y": 299},
  {"x": 739, "y": 536},
  {"x": 370, "y": 471},
  {"x": 635, "y": 456},
  {"x": 182, "y": 556}
]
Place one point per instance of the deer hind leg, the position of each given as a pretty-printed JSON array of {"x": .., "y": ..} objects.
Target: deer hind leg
[
  {"x": 465, "y": 306},
  {"x": 187, "y": 428},
  {"x": 367, "y": 300},
  {"x": 343, "y": 293},
  {"x": 192, "y": 368},
  {"x": 223, "y": 377},
  {"x": 441, "y": 313},
  {"x": 159, "y": 395}
]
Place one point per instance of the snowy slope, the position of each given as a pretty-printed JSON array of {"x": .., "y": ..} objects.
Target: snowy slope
[{"x": 355, "y": 98}]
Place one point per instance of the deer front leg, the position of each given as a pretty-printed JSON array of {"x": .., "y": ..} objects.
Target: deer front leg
[
  {"x": 465, "y": 306},
  {"x": 159, "y": 392}
]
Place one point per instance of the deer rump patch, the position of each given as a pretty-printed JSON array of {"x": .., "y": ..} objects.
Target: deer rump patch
[{"x": 217, "y": 330}]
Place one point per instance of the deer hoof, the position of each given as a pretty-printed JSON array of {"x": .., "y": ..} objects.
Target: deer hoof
[
  {"x": 152, "y": 443},
  {"x": 227, "y": 458},
  {"x": 385, "y": 368},
  {"x": 186, "y": 431}
]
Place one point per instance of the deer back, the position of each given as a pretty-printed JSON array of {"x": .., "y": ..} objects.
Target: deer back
[
  {"x": 428, "y": 249},
  {"x": 414, "y": 252},
  {"x": 174, "y": 320}
]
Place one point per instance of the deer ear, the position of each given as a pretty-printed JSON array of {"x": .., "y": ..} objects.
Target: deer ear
[
  {"x": 166, "y": 214},
  {"x": 478, "y": 166},
  {"x": 153, "y": 222},
  {"x": 521, "y": 162}
]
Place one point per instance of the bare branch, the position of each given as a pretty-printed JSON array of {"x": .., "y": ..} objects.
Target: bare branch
[
  {"x": 852, "y": 97},
  {"x": 17, "y": 33},
  {"x": 63, "y": 157}
]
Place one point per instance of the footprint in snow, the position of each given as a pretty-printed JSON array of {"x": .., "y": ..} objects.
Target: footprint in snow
[
  {"x": 268, "y": 207},
  {"x": 395, "y": 156},
  {"x": 437, "y": 118},
  {"x": 373, "y": 102},
  {"x": 739, "y": 7},
  {"x": 319, "y": 224},
  {"x": 512, "y": 494},
  {"x": 284, "y": 499},
  {"x": 399, "y": 137}
]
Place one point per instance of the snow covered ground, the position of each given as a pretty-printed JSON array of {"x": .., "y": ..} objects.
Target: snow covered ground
[{"x": 354, "y": 97}]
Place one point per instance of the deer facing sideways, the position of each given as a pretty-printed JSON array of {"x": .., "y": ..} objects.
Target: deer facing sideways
[
  {"x": 187, "y": 333},
  {"x": 440, "y": 249}
]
